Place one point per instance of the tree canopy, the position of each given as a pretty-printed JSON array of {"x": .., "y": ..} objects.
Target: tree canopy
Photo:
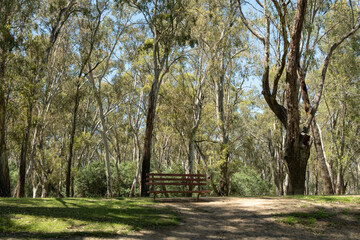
[{"x": 262, "y": 96}]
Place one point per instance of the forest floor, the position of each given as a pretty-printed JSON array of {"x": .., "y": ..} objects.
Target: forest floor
[{"x": 258, "y": 218}]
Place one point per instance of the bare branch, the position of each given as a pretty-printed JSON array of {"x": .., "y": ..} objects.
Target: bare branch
[{"x": 247, "y": 24}]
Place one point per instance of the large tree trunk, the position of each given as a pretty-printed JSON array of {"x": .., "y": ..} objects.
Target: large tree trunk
[
  {"x": 72, "y": 137},
  {"x": 148, "y": 140},
  {"x": 150, "y": 116},
  {"x": 20, "y": 188},
  {"x": 4, "y": 165},
  {"x": 297, "y": 146},
  {"x": 191, "y": 155},
  {"x": 320, "y": 154}
]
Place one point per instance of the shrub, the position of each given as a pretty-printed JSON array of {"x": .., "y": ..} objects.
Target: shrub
[
  {"x": 127, "y": 172},
  {"x": 247, "y": 182},
  {"x": 91, "y": 180}
]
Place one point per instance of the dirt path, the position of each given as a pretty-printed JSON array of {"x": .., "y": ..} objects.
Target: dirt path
[{"x": 256, "y": 218}]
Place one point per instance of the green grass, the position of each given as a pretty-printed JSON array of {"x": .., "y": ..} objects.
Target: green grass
[
  {"x": 54, "y": 217},
  {"x": 329, "y": 199},
  {"x": 304, "y": 218}
]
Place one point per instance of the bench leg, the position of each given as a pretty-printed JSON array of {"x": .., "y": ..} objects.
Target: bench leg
[
  {"x": 197, "y": 199},
  {"x": 154, "y": 196}
]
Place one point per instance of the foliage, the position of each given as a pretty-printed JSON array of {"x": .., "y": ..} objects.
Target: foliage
[
  {"x": 127, "y": 171},
  {"x": 91, "y": 180},
  {"x": 198, "y": 42},
  {"x": 247, "y": 182}
]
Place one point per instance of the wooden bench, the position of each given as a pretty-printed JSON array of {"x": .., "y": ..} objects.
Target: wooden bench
[{"x": 166, "y": 179}]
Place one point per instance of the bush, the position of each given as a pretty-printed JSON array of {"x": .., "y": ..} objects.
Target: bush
[
  {"x": 91, "y": 180},
  {"x": 127, "y": 172},
  {"x": 247, "y": 182}
]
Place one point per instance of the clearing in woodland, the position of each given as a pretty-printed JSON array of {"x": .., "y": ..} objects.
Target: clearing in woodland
[
  {"x": 299, "y": 217},
  {"x": 260, "y": 218}
]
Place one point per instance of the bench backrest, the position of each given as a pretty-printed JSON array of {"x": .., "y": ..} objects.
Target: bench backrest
[{"x": 175, "y": 179}]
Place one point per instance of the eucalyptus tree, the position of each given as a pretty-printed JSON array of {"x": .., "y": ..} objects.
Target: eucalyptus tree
[
  {"x": 99, "y": 43},
  {"x": 41, "y": 56},
  {"x": 219, "y": 35},
  {"x": 15, "y": 18},
  {"x": 342, "y": 118},
  {"x": 167, "y": 22},
  {"x": 298, "y": 141},
  {"x": 8, "y": 10}
]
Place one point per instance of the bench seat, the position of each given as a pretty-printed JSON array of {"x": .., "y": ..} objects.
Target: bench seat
[{"x": 167, "y": 179}]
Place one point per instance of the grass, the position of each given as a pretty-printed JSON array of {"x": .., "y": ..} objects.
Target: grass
[
  {"x": 304, "y": 218},
  {"x": 64, "y": 218},
  {"x": 329, "y": 199}
]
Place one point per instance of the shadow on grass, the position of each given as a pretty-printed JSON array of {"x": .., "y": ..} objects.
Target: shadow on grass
[
  {"x": 60, "y": 235},
  {"x": 100, "y": 213}
]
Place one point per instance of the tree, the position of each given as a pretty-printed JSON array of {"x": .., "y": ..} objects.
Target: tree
[
  {"x": 298, "y": 142},
  {"x": 166, "y": 20}
]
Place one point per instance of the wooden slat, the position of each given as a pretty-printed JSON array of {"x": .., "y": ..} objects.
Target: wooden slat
[
  {"x": 176, "y": 183},
  {"x": 177, "y": 179},
  {"x": 196, "y": 191},
  {"x": 179, "y": 175}
]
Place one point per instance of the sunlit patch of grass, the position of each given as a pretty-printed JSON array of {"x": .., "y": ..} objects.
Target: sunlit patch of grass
[
  {"x": 304, "y": 218},
  {"x": 329, "y": 199},
  {"x": 79, "y": 216}
]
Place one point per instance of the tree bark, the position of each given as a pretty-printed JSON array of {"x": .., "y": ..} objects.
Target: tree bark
[
  {"x": 150, "y": 117},
  {"x": 72, "y": 138},
  {"x": 4, "y": 165},
  {"x": 223, "y": 136},
  {"x": 297, "y": 146},
  {"x": 20, "y": 188}
]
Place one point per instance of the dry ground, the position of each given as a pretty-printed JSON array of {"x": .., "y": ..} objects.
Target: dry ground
[{"x": 257, "y": 218}]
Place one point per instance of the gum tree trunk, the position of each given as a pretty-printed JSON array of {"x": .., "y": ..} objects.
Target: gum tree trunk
[
  {"x": 223, "y": 136},
  {"x": 72, "y": 137},
  {"x": 20, "y": 188},
  {"x": 4, "y": 165}
]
